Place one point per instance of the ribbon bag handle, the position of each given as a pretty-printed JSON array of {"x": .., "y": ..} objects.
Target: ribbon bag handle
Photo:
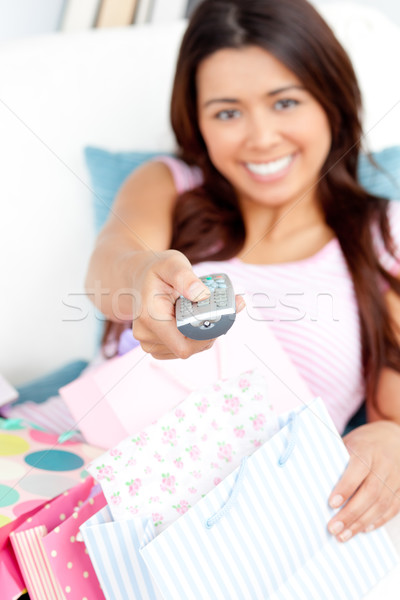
[{"x": 293, "y": 424}]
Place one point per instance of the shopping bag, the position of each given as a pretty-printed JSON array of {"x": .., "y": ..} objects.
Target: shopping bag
[
  {"x": 12, "y": 584},
  {"x": 113, "y": 548},
  {"x": 262, "y": 532},
  {"x": 171, "y": 464},
  {"x": 128, "y": 393},
  {"x": 35, "y": 469},
  {"x": 67, "y": 555},
  {"x": 28, "y": 542}
]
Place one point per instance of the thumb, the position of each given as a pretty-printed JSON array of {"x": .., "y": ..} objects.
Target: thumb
[
  {"x": 195, "y": 290},
  {"x": 179, "y": 274}
]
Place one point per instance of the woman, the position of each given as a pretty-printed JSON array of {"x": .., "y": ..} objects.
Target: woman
[{"x": 266, "y": 113}]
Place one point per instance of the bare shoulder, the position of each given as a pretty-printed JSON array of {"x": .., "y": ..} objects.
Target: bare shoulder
[
  {"x": 149, "y": 186},
  {"x": 144, "y": 205}
]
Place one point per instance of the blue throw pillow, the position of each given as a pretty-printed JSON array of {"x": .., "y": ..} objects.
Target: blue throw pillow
[
  {"x": 108, "y": 170},
  {"x": 386, "y": 180}
]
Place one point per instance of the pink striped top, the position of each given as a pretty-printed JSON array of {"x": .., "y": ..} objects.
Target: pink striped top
[{"x": 311, "y": 307}]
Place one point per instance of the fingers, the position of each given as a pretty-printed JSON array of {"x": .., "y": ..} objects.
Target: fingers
[
  {"x": 240, "y": 303},
  {"x": 167, "y": 277},
  {"x": 368, "y": 494},
  {"x": 177, "y": 271},
  {"x": 350, "y": 493},
  {"x": 357, "y": 470},
  {"x": 159, "y": 336},
  {"x": 370, "y": 503}
]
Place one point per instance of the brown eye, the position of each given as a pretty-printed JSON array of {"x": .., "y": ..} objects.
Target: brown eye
[
  {"x": 228, "y": 114},
  {"x": 285, "y": 104}
]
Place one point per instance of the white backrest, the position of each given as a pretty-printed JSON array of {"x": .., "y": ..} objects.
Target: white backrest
[
  {"x": 373, "y": 43},
  {"x": 57, "y": 94}
]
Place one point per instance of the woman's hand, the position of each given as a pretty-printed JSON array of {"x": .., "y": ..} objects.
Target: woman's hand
[
  {"x": 159, "y": 284},
  {"x": 371, "y": 481}
]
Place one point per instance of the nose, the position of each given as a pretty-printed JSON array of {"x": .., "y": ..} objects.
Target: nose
[{"x": 262, "y": 129}]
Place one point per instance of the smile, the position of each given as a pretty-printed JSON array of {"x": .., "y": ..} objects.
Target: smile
[{"x": 270, "y": 168}]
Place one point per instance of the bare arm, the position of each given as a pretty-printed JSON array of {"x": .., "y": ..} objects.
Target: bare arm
[
  {"x": 138, "y": 229},
  {"x": 134, "y": 276}
]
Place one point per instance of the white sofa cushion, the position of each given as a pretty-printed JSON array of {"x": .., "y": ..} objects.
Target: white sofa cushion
[{"x": 59, "y": 93}]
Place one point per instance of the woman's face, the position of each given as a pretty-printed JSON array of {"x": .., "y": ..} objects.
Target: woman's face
[{"x": 264, "y": 132}]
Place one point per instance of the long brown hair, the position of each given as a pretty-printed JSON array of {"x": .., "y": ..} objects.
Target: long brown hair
[{"x": 207, "y": 224}]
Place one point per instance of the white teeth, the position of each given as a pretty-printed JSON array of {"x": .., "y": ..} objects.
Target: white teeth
[{"x": 271, "y": 167}]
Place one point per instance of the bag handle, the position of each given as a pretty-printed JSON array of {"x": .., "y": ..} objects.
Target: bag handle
[
  {"x": 293, "y": 423},
  {"x": 232, "y": 498}
]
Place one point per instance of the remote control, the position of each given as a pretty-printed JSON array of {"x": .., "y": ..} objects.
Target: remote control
[{"x": 208, "y": 318}]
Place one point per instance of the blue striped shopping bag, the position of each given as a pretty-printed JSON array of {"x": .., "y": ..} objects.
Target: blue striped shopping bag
[
  {"x": 114, "y": 549},
  {"x": 260, "y": 534}
]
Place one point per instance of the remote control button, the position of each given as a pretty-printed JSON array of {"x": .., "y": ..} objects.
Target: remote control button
[{"x": 204, "y": 302}]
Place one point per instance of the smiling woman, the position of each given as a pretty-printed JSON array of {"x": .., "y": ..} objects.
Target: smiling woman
[{"x": 266, "y": 113}]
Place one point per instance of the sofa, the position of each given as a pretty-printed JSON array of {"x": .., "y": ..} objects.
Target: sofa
[{"x": 109, "y": 89}]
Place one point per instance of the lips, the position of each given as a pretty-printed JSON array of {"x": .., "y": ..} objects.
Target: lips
[{"x": 271, "y": 167}]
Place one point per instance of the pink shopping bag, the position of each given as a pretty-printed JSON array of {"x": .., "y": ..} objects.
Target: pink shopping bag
[
  {"x": 12, "y": 584},
  {"x": 128, "y": 393},
  {"x": 27, "y": 541},
  {"x": 67, "y": 554},
  {"x": 36, "y": 469}
]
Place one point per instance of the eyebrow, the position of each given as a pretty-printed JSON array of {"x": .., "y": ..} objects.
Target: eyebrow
[{"x": 269, "y": 94}]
